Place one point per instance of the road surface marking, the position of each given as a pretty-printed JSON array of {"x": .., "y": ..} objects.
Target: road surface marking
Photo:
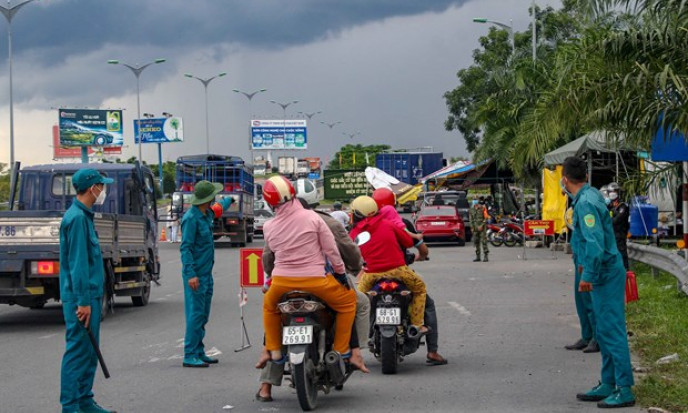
[
  {"x": 458, "y": 307},
  {"x": 213, "y": 352},
  {"x": 48, "y": 336}
]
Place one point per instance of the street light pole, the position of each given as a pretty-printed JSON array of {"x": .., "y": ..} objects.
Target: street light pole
[
  {"x": 9, "y": 12},
  {"x": 136, "y": 70},
  {"x": 205, "y": 83},
  {"x": 310, "y": 115},
  {"x": 508, "y": 27},
  {"x": 284, "y": 106}
]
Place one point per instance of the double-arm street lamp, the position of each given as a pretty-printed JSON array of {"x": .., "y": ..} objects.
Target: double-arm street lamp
[
  {"x": 331, "y": 125},
  {"x": 205, "y": 83},
  {"x": 284, "y": 106},
  {"x": 309, "y": 115},
  {"x": 136, "y": 70},
  {"x": 508, "y": 27},
  {"x": 9, "y": 12}
]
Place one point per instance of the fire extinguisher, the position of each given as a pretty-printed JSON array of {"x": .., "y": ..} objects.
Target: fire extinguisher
[{"x": 631, "y": 287}]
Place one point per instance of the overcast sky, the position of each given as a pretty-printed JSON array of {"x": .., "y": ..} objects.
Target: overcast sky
[{"x": 378, "y": 66}]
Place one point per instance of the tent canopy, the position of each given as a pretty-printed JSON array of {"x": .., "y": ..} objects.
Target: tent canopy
[{"x": 598, "y": 141}]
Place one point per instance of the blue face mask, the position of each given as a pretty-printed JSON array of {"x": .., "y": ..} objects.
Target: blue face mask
[
  {"x": 563, "y": 188},
  {"x": 474, "y": 202},
  {"x": 607, "y": 201}
]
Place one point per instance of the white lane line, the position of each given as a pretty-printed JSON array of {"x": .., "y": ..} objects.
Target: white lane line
[
  {"x": 47, "y": 336},
  {"x": 458, "y": 307},
  {"x": 161, "y": 299},
  {"x": 213, "y": 352}
]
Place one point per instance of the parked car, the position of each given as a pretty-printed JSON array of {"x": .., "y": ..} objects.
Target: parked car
[
  {"x": 441, "y": 223},
  {"x": 261, "y": 216}
]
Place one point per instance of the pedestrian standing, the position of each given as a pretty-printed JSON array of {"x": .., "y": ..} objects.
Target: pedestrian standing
[
  {"x": 81, "y": 292},
  {"x": 174, "y": 229},
  {"x": 620, "y": 215},
  {"x": 604, "y": 277},
  {"x": 478, "y": 219},
  {"x": 198, "y": 258}
]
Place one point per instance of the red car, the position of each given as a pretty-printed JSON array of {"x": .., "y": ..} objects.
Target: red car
[{"x": 441, "y": 223}]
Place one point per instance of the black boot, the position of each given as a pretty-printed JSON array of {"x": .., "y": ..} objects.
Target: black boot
[
  {"x": 578, "y": 345},
  {"x": 485, "y": 259},
  {"x": 592, "y": 347},
  {"x": 477, "y": 259}
]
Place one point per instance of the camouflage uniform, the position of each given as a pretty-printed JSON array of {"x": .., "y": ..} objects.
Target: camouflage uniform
[{"x": 479, "y": 228}]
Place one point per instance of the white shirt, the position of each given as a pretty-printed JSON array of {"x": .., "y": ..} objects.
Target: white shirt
[{"x": 341, "y": 216}]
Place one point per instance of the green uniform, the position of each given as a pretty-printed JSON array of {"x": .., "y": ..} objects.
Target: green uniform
[
  {"x": 198, "y": 258},
  {"x": 595, "y": 250},
  {"x": 479, "y": 228}
]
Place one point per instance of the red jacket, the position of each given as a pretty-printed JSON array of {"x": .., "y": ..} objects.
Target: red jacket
[{"x": 383, "y": 252}]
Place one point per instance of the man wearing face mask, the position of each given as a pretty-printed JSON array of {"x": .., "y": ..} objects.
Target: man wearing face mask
[
  {"x": 478, "y": 219},
  {"x": 620, "y": 214},
  {"x": 604, "y": 277},
  {"x": 81, "y": 291},
  {"x": 198, "y": 258}
]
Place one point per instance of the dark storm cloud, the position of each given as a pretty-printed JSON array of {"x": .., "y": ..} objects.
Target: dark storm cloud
[{"x": 62, "y": 28}]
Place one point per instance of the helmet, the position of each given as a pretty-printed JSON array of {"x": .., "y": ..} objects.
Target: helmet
[
  {"x": 337, "y": 206},
  {"x": 364, "y": 206},
  {"x": 613, "y": 187},
  {"x": 384, "y": 196},
  {"x": 278, "y": 190}
]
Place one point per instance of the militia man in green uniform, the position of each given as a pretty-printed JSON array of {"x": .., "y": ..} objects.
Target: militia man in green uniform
[{"x": 478, "y": 220}]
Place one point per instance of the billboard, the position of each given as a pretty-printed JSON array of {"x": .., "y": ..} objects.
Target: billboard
[
  {"x": 159, "y": 130},
  {"x": 68, "y": 152},
  {"x": 279, "y": 134},
  {"x": 346, "y": 184},
  {"x": 90, "y": 127}
]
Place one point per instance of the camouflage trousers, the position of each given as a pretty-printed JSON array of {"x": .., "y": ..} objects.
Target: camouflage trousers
[
  {"x": 411, "y": 280},
  {"x": 480, "y": 240}
]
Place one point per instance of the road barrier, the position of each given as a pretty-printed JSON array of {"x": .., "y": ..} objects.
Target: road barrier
[{"x": 661, "y": 259}]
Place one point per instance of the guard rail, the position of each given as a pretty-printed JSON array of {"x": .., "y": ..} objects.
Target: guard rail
[{"x": 663, "y": 260}]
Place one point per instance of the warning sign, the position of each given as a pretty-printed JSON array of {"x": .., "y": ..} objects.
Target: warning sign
[
  {"x": 251, "y": 267},
  {"x": 538, "y": 228}
]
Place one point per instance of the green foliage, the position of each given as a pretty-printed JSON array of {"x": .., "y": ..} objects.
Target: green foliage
[
  {"x": 4, "y": 183},
  {"x": 659, "y": 322},
  {"x": 348, "y": 153}
]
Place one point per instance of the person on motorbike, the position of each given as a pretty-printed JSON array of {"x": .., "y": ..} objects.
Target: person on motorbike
[
  {"x": 384, "y": 262},
  {"x": 301, "y": 242},
  {"x": 387, "y": 208}
]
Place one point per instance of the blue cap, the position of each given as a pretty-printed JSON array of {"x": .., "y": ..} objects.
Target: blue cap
[{"x": 86, "y": 178}]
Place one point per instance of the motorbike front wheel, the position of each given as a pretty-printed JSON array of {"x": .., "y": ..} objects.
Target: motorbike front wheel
[
  {"x": 388, "y": 355},
  {"x": 304, "y": 381},
  {"x": 495, "y": 239}
]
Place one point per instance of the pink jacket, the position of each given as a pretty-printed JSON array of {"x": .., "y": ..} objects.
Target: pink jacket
[
  {"x": 301, "y": 240},
  {"x": 389, "y": 213}
]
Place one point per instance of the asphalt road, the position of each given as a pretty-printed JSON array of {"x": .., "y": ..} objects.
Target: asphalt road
[{"x": 503, "y": 325}]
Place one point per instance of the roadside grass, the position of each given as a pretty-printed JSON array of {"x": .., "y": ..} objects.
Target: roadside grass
[{"x": 659, "y": 322}]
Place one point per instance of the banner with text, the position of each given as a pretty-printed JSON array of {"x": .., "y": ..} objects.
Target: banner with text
[
  {"x": 279, "y": 134},
  {"x": 345, "y": 184},
  {"x": 159, "y": 130}
]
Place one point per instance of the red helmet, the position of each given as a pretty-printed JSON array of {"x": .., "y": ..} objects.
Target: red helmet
[
  {"x": 384, "y": 196},
  {"x": 278, "y": 190}
]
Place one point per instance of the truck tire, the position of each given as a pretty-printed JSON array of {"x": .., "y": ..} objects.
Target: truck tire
[{"x": 142, "y": 300}]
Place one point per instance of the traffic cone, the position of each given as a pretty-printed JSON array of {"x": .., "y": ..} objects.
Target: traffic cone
[
  {"x": 163, "y": 237},
  {"x": 631, "y": 287}
]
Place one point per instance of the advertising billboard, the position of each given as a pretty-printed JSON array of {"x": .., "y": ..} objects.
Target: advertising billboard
[
  {"x": 279, "y": 134},
  {"x": 159, "y": 130},
  {"x": 90, "y": 127},
  {"x": 68, "y": 152}
]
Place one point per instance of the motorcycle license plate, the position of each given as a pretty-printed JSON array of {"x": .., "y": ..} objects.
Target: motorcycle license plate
[
  {"x": 388, "y": 316},
  {"x": 297, "y": 335}
]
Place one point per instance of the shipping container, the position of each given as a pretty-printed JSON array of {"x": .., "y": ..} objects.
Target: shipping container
[{"x": 409, "y": 167}]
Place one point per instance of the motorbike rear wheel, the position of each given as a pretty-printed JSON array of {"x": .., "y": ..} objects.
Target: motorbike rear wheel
[
  {"x": 495, "y": 239},
  {"x": 388, "y": 355},
  {"x": 304, "y": 381}
]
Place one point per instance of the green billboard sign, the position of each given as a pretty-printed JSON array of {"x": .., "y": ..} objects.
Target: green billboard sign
[{"x": 345, "y": 184}]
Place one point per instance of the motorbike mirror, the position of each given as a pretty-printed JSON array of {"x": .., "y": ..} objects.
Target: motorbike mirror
[{"x": 362, "y": 238}]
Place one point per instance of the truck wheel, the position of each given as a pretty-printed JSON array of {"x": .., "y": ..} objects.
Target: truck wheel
[
  {"x": 249, "y": 238},
  {"x": 142, "y": 300}
]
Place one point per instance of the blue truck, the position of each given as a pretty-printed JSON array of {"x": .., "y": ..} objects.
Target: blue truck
[
  {"x": 30, "y": 234},
  {"x": 409, "y": 167},
  {"x": 236, "y": 177}
]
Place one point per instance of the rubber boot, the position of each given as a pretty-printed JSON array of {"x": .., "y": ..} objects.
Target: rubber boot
[
  {"x": 597, "y": 393},
  {"x": 477, "y": 258},
  {"x": 578, "y": 345},
  {"x": 592, "y": 347},
  {"x": 622, "y": 397},
  {"x": 485, "y": 259}
]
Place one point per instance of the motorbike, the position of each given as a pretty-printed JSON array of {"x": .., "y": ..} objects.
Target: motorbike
[
  {"x": 308, "y": 335},
  {"x": 394, "y": 337},
  {"x": 495, "y": 234}
]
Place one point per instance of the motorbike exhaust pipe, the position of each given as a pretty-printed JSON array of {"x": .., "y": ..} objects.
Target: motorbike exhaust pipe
[
  {"x": 335, "y": 367},
  {"x": 413, "y": 333}
]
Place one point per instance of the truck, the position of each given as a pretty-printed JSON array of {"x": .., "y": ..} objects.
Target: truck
[
  {"x": 236, "y": 177},
  {"x": 126, "y": 224},
  {"x": 409, "y": 167},
  {"x": 315, "y": 166},
  {"x": 286, "y": 166},
  {"x": 260, "y": 166},
  {"x": 303, "y": 168}
]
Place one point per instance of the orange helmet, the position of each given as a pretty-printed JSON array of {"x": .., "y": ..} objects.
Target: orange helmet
[
  {"x": 384, "y": 196},
  {"x": 278, "y": 190}
]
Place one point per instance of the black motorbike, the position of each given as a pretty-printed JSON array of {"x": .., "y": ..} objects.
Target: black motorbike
[
  {"x": 308, "y": 335},
  {"x": 394, "y": 337}
]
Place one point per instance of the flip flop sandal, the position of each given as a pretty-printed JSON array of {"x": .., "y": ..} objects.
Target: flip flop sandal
[
  {"x": 263, "y": 399},
  {"x": 433, "y": 362}
]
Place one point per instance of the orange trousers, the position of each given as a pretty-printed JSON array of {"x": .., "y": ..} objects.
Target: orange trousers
[
  {"x": 337, "y": 297},
  {"x": 412, "y": 281}
]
